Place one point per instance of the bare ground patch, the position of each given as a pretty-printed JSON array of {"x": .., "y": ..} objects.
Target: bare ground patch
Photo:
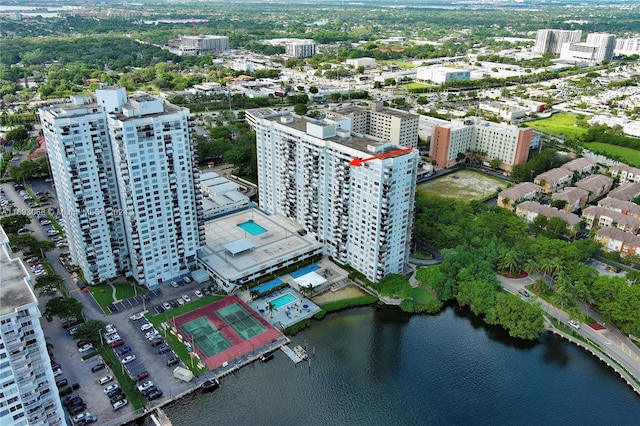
[
  {"x": 348, "y": 292},
  {"x": 464, "y": 185}
]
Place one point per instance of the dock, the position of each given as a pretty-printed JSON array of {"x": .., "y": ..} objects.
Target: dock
[{"x": 297, "y": 356}]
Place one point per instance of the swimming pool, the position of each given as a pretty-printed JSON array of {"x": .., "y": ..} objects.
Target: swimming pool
[
  {"x": 264, "y": 287},
  {"x": 251, "y": 227},
  {"x": 304, "y": 271},
  {"x": 283, "y": 300}
]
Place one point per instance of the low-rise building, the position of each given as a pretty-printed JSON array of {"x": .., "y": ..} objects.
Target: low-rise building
[
  {"x": 220, "y": 195},
  {"x": 521, "y": 192},
  {"x": 600, "y": 216},
  {"x": 574, "y": 198},
  {"x": 625, "y": 207},
  {"x": 626, "y": 192},
  {"x": 595, "y": 185},
  {"x": 530, "y": 210},
  {"x": 625, "y": 174},
  {"x": 553, "y": 180},
  {"x": 581, "y": 166},
  {"x": 442, "y": 75},
  {"x": 614, "y": 239},
  {"x": 362, "y": 62}
]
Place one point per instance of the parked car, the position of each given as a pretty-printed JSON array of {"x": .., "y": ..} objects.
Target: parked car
[
  {"x": 180, "y": 301},
  {"x": 62, "y": 382},
  {"x": 166, "y": 306},
  {"x": 114, "y": 392},
  {"x": 57, "y": 372},
  {"x": 113, "y": 338},
  {"x": 71, "y": 400},
  {"x": 105, "y": 379},
  {"x": 98, "y": 367},
  {"x": 142, "y": 376},
  {"x": 80, "y": 416},
  {"x": 85, "y": 348},
  {"x": 118, "y": 405},
  {"x": 87, "y": 420},
  {"x": 523, "y": 292},
  {"x": 81, "y": 343},
  {"x": 128, "y": 359},
  {"x": 575, "y": 324},
  {"x": 186, "y": 280},
  {"x": 116, "y": 398},
  {"x": 157, "y": 341},
  {"x": 154, "y": 395},
  {"x": 199, "y": 293},
  {"x": 172, "y": 361},
  {"x": 75, "y": 409},
  {"x": 110, "y": 328},
  {"x": 148, "y": 390},
  {"x": 136, "y": 317},
  {"x": 116, "y": 343},
  {"x": 186, "y": 298},
  {"x": 173, "y": 284},
  {"x": 72, "y": 331},
  {"x": 164, "y": 349},
  {"x": 123, "y": 350},
  {"x": 146, "y": 326},
  {"x": 144, "y": 386},
  {"x": 111, "y": 388},
  {"x": 173, "y": 303}
]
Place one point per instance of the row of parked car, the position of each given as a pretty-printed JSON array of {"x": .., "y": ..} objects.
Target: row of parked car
[{"x": 185, "y": 298}]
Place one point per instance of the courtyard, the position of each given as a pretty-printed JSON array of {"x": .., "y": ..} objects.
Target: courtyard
[{"x": 464, "y": 185}]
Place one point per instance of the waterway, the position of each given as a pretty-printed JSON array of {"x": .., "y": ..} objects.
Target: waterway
[{"x": 383, "y": 367}]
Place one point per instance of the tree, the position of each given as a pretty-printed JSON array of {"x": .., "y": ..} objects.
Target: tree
[
  {"x": 313, "y": 89},
  {"x": 13, "y": 223},
  {"x": 92, "y": 331},
  {"x": 521, "y": 319},
  {"x": 511, "y": 262},
  {"x": 300, "y": 109},
  {"x": 63, "y": 307},
  {"x": 394, "y": 285},
  {"x": 480, "y": 296},
  {"x": 495, "y": 163},
  {"x": 271, "y": 308}
]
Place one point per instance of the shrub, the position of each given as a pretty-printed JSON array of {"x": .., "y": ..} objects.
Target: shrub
[
  {"x": 320, "y": 314},
  {"x": 295, "y": 328},
  {"x": 349, "y": 303}
]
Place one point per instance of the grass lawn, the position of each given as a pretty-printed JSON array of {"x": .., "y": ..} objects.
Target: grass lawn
[
  {"x": 398, "y": 63},
  {"x": 419, "y": 86},
  {"x": 422, "y": 255},
  {"x": 172, "y": 340},
  {"x": 464, "y": 185},
  {"x": 631, "y": 156},
  {"x": 422, "y": 296},
  {"x": 128, "y": 385},
  {"x": 563, "y": 123},
  {"x": 103, "y": 294}
]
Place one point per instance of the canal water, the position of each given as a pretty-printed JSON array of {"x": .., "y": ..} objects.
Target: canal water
[{"x": 383, "y": 367}]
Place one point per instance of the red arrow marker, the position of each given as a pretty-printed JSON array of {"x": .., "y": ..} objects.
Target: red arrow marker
[{"x": 356, "y": 162}]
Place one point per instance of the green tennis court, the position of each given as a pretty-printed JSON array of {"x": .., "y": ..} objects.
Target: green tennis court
[
  {"x": 241, "y": 321},
  {"x": 206, "y": 336}
]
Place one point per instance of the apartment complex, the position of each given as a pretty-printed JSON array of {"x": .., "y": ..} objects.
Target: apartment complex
[
  {"x": 195, "y": 45},
  {"x": 300, "y": 48},
  {"x": 450, "y": 141},
  {"x": 362, "y": 214},
  {"x": 28, "y": 392},
  {"x": 627, "y": 46},
  {"x": 127, "y": 183},
  {"x": 598, "y": 48},
  {"x": 399, "y": 127},
  {"x": 551, "y": 41}
]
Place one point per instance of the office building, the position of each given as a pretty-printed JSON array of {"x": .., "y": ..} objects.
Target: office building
[
  {"x": 451, "y": 142},
  {"x": 28, "y": 391},
  {"x": 440, "y": 75},
  {"x": 196, "y": 45},
  {"x": 362, "y": 214},
  {"x": 300, "y": 48},
  {"x": 551, "y": 41},
  {"x": 124, "y": 169},
  {"x": 399, "y": 127}
]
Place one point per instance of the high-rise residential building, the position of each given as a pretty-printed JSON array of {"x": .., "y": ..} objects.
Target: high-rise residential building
[
  {"x": 598, "y": 48},
  {"x": 627, "y": 46},
  {"x": 399, "y": 127},
  {"x": 127, "y": 183},
  {"x": 28, "y": 391},
  {"x": 551, "y": 41},
  {"x": 362, "y": 214},
  {"x": 300, "y": 48},
  {"x": 192, "y": 45},
  {"x": 452, "y": 140}
]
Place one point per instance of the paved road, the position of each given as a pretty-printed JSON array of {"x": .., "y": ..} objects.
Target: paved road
[{"x": 612, "y": 342}]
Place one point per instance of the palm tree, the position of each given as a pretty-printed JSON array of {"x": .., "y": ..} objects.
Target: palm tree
[
  {"x": 270, "y": 308},
  {"x": 510, "y": 262},
  {"x": 531, "y": 266}
]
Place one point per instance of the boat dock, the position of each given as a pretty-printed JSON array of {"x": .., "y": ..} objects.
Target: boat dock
[{"x": 297, "y": 355}]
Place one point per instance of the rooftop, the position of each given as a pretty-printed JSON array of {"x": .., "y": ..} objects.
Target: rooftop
[
  {"x": 570, "y": 194},
  {"x": 14, "y": 290},
  {"x": 594, "y": 182},
  {"x": 520, "y": 190},
  {"x": 626, "y": 192},
  {"x": 618, "y": 235},
  {"x": 579, "y": 164},
  {"x": 620, "y": 218},
  {"x": 615, "y": 204},
  {"x": 548, "y": 211}
]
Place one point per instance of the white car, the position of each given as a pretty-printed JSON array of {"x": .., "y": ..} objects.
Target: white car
[
  {"x": 146, "y": 385},
  {"x": 81, "y": 416},
  {"x": 109, "y": 328},
  {"x": 85, "y": 348},
  {"x": 575, "y": 324},
  {"x": 118, "y": 405},
  {"x": 128, "y": 359},
  {"x": 136, "y": 317},
  {"x": 150, "y": 333},
  {"x": 105, "y": 379},
  {"x": 174, "y": 284},
  {"x": 52, "y": 232},
  {"x": 186, "y": 298},
  {"x": 112, "y": 339},
  {"x": 198, "y": 293},
  {"x": 110, "y": 388},
  {"x": 146, "y": 326}
]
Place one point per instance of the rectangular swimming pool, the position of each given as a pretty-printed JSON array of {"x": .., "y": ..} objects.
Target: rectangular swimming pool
[
  {"x": 283, "y": 300},
  {"x": 305, "y": 270},
  {"x": 264, "y": 287},
  {"x": 251, "y": 227}
]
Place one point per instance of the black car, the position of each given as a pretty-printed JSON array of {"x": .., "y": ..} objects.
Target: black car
[
  {"x": 172, "y": 361},
  {"x": 71, "y": 400},
  {"x": 156, "y": 342},
  {"x": 523, "y": 292},
  {"x": 164, "y": 350},
  {"x": 147, "y": 391},
  {"x": 75, "y": 409},
  {"x": 212, "y": 288},
  {"x": 62, "y": 382},
  {"x": 98, "y": 367},
  {"x": 83, "y": 342},
  {"x": 159, "y": 309},
  {"x": 114, "y": 392},
  {"x": 112, "y": 307},
  {"x": 173, "y": 303},
  {"x": 154, "y": 395},
  {"x": 116, "y": 398},
  {"x": 146, "y": 296}
]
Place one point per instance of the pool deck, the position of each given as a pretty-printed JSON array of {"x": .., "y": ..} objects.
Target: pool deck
[{"x": 289, "y": 314}]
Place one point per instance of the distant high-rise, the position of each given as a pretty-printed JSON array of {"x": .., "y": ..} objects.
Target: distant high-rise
[
  {"x": 124, "y": 169},
  {"x": 300, "y": 48},
  {"x": 192, "y": 45},
  {"x": 362, "y": 214},
  {"x": 598, "y": 48},
  {"x": 627, "y": 46},
  {"x": 28, "y": 395},
  {"x": 551, "y": 41}
]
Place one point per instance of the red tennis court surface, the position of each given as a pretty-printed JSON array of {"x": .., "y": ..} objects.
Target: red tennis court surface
[{"x": 240, "y": 346}]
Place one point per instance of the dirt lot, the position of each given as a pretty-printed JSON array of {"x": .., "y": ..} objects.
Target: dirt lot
[
  {"x": 348, "y": 292},
  {"x": 464, "y": 185}
]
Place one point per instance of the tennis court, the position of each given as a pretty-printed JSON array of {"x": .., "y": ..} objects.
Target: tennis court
[
  {"x": 206, "y": 336},
  {"x": 241, "y": 321}
]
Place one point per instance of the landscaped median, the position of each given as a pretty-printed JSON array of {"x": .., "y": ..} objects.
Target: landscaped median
[
  {"x": 172, "y": 340},
  {"x": 128, "y": 385},
  {"x": 103, "y": 293}
]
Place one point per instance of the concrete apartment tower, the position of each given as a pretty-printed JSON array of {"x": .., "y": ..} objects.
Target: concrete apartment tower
[
  {"x": 125, "y": 172},
  {"x": 551, "y": 41},
  {"x": 362, "y": 214},
  {"x": 28, "y": 395}
]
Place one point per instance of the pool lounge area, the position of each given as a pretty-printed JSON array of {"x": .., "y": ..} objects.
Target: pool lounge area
[{"x": 290, "y": 307}]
